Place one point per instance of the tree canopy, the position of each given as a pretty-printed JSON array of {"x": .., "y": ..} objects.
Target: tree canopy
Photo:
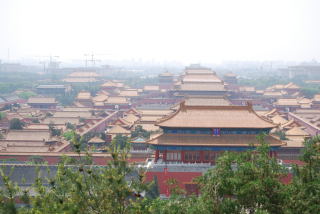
[
  {"x": 16, "y": 123},
  {"x": 140, "y": 132},
  {"x": 2, "y": 115},
  {"x": 246, "y": 182}
]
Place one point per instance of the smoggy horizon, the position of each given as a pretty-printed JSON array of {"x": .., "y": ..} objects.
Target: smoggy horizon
[{"x": 184, "y": 32}]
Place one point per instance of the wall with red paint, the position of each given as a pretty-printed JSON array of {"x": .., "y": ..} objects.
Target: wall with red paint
[{"x": 181, "y": 177}]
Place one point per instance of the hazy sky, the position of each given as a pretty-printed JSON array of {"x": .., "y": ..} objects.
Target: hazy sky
[{"x": 181, "y": 30}]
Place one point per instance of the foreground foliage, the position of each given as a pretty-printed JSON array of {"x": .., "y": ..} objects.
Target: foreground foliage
[{"x": 247, "y": 182}]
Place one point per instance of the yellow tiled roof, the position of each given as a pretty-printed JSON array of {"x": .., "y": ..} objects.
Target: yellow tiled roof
[
  {"x": 202, "y": 87},
  {"x": 131, "y": 118},
  {"x": 83, "y": 74},
  {"x": 287, "y": 102},
  {"x": 84, "y": 95},
  {"x": 116, "y": 100},
  {"x": 151, "y": 88},
  {"x": 35, "y": 100},
  {"x": 296, "y": 131},
  {"x": 215, "y": 116},
  {"x": 129, "y": 93},
  {"x": 277, "y": 119},
  {"x": 118, "y": 130}
]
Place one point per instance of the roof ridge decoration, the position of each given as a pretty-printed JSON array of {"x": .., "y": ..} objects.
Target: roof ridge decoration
[
  {"x": 262, "y": 118},
  {"x": 167, "y": 117}
]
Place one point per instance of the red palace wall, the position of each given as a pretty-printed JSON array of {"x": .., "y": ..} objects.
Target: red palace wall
[
  {"x": 186, "y": 178},
  {"x": 181, "y": 177}
]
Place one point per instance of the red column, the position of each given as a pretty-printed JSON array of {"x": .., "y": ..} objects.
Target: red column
[
  {"x": 157, "y": 156},
  {"x": 165, "y": 155},
  {"x": 201, "y": 157},
  {"x": 275, "y": 154},
  {"x": 182, "y": 156}
]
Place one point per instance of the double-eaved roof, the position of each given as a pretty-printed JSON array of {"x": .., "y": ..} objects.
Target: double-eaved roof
[
  {"x": 215, "y": 117},
  {"x": 200, "y": 79}
]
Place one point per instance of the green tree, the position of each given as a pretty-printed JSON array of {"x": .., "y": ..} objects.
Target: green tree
[
  {"x": 83, "y": 188},
  {"x": 2, "y": 115},
  {"x": 68, "y": 135},
  {"x": 174, "y": 188},
  {"x": 66, "y": 100},
  {"x": 154, "y": 189},
  {"x": 281, "y": 135},
  {"x": 17, "y": 124},
  {"x": 8, "y": 192},
  {"x": 120, "y": 141},
  {"x": 36, "y": 159},
  {"x": 305, "y": 188},
  {"x": 70, "y": 126},
  {"x": 89, "y": 189},
  {"x": 54, "y": 131},
  {"x": 309, "y": 92},
  {"x": 49, "y": 114},
  {"x": 140, "y": 132},
  {"x": 26, "y": 94},
  {"x": 245, "y": 181},
  {"x": 35, "y": 120}
]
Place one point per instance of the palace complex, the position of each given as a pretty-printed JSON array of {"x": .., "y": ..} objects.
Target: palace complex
[{"x": 178, "y": 124}]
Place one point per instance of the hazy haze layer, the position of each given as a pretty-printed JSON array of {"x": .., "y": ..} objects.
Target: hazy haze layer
[{"x": 186, "y": 31}]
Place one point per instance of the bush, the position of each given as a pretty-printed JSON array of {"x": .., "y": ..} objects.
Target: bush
[
  {"x": 17, "y": 124},
  {"x": 26, "y": 94}
]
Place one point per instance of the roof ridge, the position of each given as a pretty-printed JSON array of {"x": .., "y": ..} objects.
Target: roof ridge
[{"x": 167, "y": 117}]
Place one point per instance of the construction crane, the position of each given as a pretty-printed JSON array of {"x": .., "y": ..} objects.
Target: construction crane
[
  {"x": 52, "y": 64},
  {"x": 44, "y": 65},
  {"x": 91, "y": 59}
]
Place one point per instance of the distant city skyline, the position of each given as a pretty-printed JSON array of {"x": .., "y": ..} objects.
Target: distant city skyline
[{"x": 182, "y": 31}]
